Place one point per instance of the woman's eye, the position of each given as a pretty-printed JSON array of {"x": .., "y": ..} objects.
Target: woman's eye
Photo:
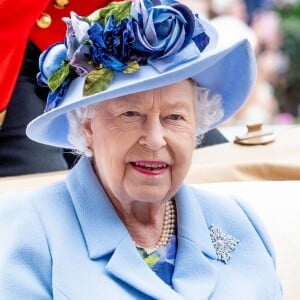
[
  {"x": 131, "y": 114},
  {"x": 175, "y": 117}
]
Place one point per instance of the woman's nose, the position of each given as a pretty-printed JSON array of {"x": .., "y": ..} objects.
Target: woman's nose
[{"x": 153, "y": 137}]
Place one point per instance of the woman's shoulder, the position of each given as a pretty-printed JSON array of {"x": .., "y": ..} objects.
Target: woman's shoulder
[
  {"x": 213, "y": 201},
  {"x": 231, "y": 213},
  {"x": 22, "y": 215},
  {"x": 224, "y": 206},
  {"x": 23, "y": 203},
  {"x": 24, "y": 244}
]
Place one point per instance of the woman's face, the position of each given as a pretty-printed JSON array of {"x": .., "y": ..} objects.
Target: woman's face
[{"x": 143, "y": 142}]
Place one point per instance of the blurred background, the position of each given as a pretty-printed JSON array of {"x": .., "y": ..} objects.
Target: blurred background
[{"x": 273, "y": 28}]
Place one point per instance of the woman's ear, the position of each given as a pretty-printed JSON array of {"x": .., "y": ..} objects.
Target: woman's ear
[{"x": 88, "y": 132}]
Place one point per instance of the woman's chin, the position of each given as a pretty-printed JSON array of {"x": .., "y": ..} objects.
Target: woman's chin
[{"x": 154, "y": 194}]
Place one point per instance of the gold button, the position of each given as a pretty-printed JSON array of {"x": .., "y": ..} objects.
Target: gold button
[
  {"x": 60, "y": 4},
  {"x": 44, "y": 21}
]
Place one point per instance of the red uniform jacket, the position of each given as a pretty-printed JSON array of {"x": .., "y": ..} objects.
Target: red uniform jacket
[{"x": 18, "y": 23}]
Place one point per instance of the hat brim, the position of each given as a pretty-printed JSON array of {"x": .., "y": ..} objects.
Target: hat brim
[{"x": 217, "y": 69}]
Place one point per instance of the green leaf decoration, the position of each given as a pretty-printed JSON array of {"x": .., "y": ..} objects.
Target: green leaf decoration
[
  {"x": 56, "y": 79},
  {"x": 132, "y": 67},
  {"x": 97, "y": 81},
  {"x": 120, "y": 10}
]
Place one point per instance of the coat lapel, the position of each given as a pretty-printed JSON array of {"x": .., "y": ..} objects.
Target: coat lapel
[
  {"x": 100, "y": 225},
  {"x": 195, "y": 276}
]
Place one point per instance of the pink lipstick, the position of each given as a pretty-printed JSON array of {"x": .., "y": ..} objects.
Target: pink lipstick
[{"x": 152, "y": 168}]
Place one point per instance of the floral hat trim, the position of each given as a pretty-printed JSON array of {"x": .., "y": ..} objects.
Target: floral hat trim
[{"x": 121, "y": 37}]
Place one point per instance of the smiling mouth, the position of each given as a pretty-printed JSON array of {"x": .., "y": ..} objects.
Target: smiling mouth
[{"x": 150, "y": 166}]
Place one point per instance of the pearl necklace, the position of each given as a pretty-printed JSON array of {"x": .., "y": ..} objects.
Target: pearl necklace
[{"x": 168, "y": 226}]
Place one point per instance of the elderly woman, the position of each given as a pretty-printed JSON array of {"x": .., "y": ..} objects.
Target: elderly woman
[{"x": 131, "y": 88}]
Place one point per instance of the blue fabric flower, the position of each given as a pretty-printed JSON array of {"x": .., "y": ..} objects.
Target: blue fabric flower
[
  {"x": 80, "y": 62},
  {"x": 75, "y": 41},
  {"x": 77, "y": 33},
  {"x": 55, "y": 98},
  {"x": 161, "y": 30},
  {"x": 50, "y": 61},
  {"x": 111, "y": 44}
]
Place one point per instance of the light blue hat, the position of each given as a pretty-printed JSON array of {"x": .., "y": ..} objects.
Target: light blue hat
[{"x": 129, "y": 47}]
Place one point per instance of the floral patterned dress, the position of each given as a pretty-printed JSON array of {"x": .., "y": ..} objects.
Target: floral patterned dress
[{"x": 161, "y": 260}]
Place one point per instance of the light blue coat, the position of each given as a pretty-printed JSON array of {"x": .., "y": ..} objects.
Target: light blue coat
[{"x": 66, "y": 241}]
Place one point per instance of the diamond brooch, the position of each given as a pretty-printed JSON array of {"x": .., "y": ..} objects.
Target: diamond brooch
[{"x": 223, "y": 243}]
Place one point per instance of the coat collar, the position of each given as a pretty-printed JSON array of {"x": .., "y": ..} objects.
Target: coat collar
[
  {"x": 97, "y": 217},
  {"x": 194, "y": 274}
]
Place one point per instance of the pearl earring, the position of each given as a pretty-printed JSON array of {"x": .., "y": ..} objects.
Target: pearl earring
[{"x": 89, "y": 152}]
